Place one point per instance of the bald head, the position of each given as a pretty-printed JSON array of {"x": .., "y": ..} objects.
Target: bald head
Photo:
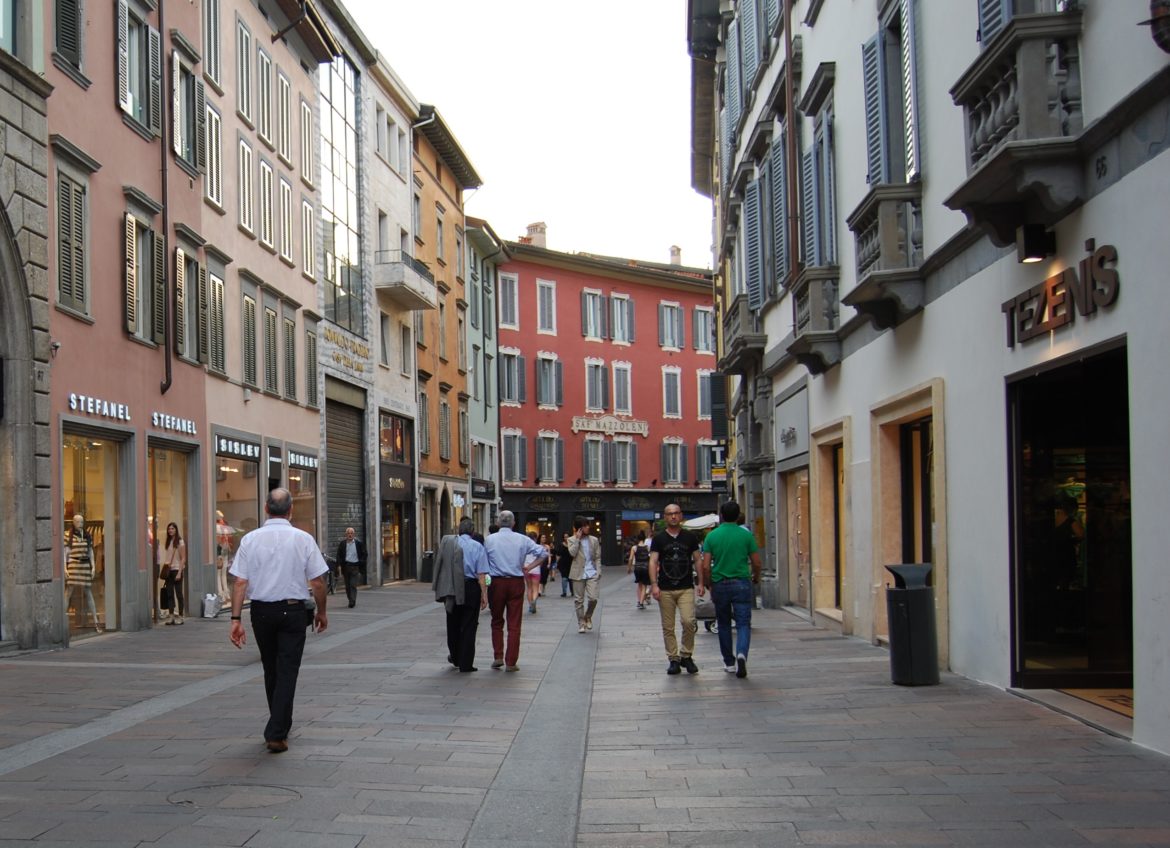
[{"x": 279, "y": 503}]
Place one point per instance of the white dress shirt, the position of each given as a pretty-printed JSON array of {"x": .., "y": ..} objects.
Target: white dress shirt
[{"x": 278, "y": 561}]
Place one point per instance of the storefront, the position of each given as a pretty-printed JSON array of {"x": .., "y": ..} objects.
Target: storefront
[
  {"x": 302, "y": 485},
  {"x": 483, "y": 503},
  {"x": 172, "y": 489},
  {"x": 239, "y": 501},
  {"x": 396, "y": 496},
  {"x": 345, "y": 477},
  {"x": 787, "y": 575}
]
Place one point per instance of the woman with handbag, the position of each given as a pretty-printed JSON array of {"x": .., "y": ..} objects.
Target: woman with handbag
[{"x": 173, "y": 564}]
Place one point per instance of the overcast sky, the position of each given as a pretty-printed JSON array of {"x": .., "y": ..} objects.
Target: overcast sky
[{"x": 575, "y": 114}]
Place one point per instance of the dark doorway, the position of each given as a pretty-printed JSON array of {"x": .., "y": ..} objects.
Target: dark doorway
[{"x": 1072, "y": 581}]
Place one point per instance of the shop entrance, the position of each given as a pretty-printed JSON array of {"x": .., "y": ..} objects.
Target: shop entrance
[
  {"x": 167, "y": 500},
  {"x": 92, "y": 511},
  {"x": 1069, "y": 433}
]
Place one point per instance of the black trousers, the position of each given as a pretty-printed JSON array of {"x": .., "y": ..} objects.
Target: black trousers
[
  {"x": 279, "y": 628},
  {"x": 462, "y": 624},
  {"x": 353, "y": 574}
]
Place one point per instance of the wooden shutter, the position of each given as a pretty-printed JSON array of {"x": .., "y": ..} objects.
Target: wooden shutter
[
  {"x": 910, "y": 87},
  {"x": 749, "y": 42},
  {"x": 156, "y": 73},
  {"x": 180, "y": 300},
  {"x": 606, "y": 462},
  {"x": 733, "y": 83},
  {"x": 771, "y": 16},
  {"x": 876, "y": 129},
  {"x": 603, "y": 376},
  {"x": 827, "y": 193},
  {"x": 584, "y": 313},
  {"x": 633, "y": 462},
  {"x": 131, "y": 233},
  {"x": 718, "y": 407},
  {"x": 682, "y": 463},
  {"x": 66, "y": 15},
  {"x": 311, "y": 368},
  {"x": 559, "y": 380},
  {"x": 809, "y": 210},
  {"x": 725, "y": 144},
  {"x": 521, "y": 382},
  {"x": 993, "y": 17},
  {"x": 661, "y": 325},
  {"x": 200, "y": 126},
  {"x": 290, "y": 358},
  {"x": 560, "y": 470},
  {"x": 663, "y": 461},
  {"x": 510, "y": 457},
  {"x": 271, "y": 383},
  {"x": 124, "y": 101},
  {"x": 630, "y": 318},
  {"x": 523, "y": 458},
  {"x": 250, "y": 376},
  {"x": 603, "y": 317},
  {"x": 696, "y": 331},
  {"x": 159, "y": 290},
  {"x": 752, "y": 236},
  {"x": 201, "y": 344},
  {"x": 70, "y": 243},
  {"x": 779, "y": 200},
  {"x": 176, "y": 103}
]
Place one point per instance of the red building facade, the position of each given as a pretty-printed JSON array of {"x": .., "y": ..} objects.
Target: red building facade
[{"x": 605, "y": 370}]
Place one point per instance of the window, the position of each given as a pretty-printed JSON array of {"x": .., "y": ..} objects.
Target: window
[
  {"x": 703, "y": 331},
  {"x": 311, "y": 368},
  {"x": 72, "y": 257},
  {"x": 341, "y": 172},
  {"x": 405, "y": 346},
  {"x": 286, "y": 221},
  {"x": 461, "y": 339},
  {"x": 670, "y": 325},
  {"x": 443, "y": 328},
  {"x": 213, "y": 182},
  {"x": 217, "y": 354},
  {"x": 817, "y": 194},
  {"x": 593, "y": 315},
  {"x": 308, "y": 239},
  {"x": 419, "y": 328},
  {"x": 444, "y": 430},
  {"x": 888, "y": 74},
  {"x": 306, "y": 142},
  {"x": 68, "y": 21},
  {"x": 145, "y": 305},
  {"x": 549, "y": 382},
  {"x": 550, "y": 459},
  {"x": 622, "y": 401},
  {"x": 546, "y": 307},
  {"x": 383, "y": 338},
  {"x": 381, "y": 138},
  {"x": 509, "y": 302},
  {"x": 290, "y": 358},
  {"x": 439, "y": 240},
  {"x": 512, "y": 378},
  {"x": 245, "y": 186},
  {"x": 264, "y": 96},
  {"x": 284, "y": 119},
  {"x": 464, "y": 434},
  {"x": 139, "y": 69},
  {"x": 424, "y": 424},
  {"x": 704, "y": 459},
  {"x": 191, "y": 307},
  {"x": 621, "y": 321},
  {"x": 188, "y": 110},
  {"x": 592, "y": 461},
  {"x": 474, "y": 302},
  {"x": 515, "y": 452},
  {"x": 476, "y": 358},
  {"x": 271, "y": 368},
  {"x": 704, "y": 389},
  {"x": 625, "y": 461},
  {"x": 671, "y": 390},
  {"x": 249, "y": 363},
  {"x": 244, "y": 71},
  {"x": 266, "y": 223},
  {"x": 212, "y": 58},
  {"x": 674, "y": 462},
  {"x": 416, "y": 217},
  {"x": 596, "y": 386},
  {"x": 487, "y": 380}
]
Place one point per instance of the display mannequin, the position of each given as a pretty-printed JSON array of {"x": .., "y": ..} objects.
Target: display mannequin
[
  {"x": 79, "y": 567},
  {"x": 223, "y": 556}
]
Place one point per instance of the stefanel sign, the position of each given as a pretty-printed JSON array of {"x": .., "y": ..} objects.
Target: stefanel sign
[{"x": 1060, "y": 298}]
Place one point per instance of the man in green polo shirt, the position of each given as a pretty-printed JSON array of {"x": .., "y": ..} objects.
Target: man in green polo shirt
[{"x": 730, "y": 565}]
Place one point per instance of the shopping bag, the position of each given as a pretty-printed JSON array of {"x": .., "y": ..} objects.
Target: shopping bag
[{"x": 211, "y": 606}]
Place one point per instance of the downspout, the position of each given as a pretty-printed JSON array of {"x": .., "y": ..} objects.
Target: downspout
[
  {"x": 166, "y": 220},
  {"x": 790, "y": 147}
]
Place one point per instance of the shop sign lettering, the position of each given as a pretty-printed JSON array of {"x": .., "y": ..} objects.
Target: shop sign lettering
[
  {"x": 350, "y": 354},
  {"x": 301, "y": 460},
  {"x": 1057, "y": 301},
  {"x": 234, "y": 447},
  {"x": 636, "y": 503},
  {"x": 542, "y": 503},
  {"x": 395, "y": 483},
  {"x": 610, "y": 425},
  {"x": 589, "y": 502},
  {"x": 170, "y": 422},
  {"x": 99, "y": 407}
]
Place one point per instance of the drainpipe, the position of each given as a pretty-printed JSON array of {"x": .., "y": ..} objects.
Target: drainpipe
[
  {"x": 790, "y": 146},
  {"x": 166, "y": 219}
]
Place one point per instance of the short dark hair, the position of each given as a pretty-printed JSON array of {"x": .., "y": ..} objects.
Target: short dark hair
[
  {"x": 279, "y": 503},
  {"x": 493, "y": 528},
  {"x": 580, "y": 521},
  {"x": 729, "y": 512},
  {"x": 466, "y": 526}
]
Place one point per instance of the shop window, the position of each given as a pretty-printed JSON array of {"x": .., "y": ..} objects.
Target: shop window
[
  {"x": 167, "y": 488},
  {"x": 917, "y": 458},
  {"x": 831, "y": 566},
  {"x": 90, "y": 486},
  {"x": 237, "y": 504},
  {"x": 302, "y": 485}
]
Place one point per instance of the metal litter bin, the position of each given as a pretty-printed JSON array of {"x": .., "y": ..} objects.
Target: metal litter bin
[
  {"x": 913, "y": 638},
  {"x": 426, "y": 567}
]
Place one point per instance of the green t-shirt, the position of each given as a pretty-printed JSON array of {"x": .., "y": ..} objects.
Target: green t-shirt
[{"x": 731, "y": 547}]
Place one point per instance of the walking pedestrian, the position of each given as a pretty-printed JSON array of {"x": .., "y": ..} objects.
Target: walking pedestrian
[
  {"x": 532, "y": 572},
  {"x": 275, "y": 567},
  {"x": 674, "y": 556},
  {"x": 467, "y": 592},
  {"x": 731, "y": 565},
  {"x": 585, "y": 572},
  {"x": 507, "y": 551},
  {"x": 639, "y": 564},
  {"x": 351, "y": 557},
  {"x": 564, "y": 564}
]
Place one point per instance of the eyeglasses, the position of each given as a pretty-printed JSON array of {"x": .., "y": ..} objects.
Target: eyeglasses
[{"x": 674, "y": 512}]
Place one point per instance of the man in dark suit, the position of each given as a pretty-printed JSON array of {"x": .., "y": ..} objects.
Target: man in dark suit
[{"x": 351, "y": 556}]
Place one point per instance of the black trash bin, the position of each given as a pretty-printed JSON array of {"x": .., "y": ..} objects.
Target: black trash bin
[
  {"x": 426, "y": 567},
  {"x": 910, "y": 612}
]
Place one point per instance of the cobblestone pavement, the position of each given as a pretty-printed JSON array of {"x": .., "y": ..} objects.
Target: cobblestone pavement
[{"x": 153, "y": 738}]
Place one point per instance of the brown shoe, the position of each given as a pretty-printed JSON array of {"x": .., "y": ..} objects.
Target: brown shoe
[{"x": 277, "y": 746}]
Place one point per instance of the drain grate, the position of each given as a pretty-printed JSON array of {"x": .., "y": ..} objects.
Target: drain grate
[{"x": 233, "y": 796}]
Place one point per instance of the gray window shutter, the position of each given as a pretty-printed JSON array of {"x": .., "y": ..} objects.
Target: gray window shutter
[
  {"x": 661, "y": 325},
  {"x": 733, "y": 82},
  {"x": 603, "y": 317},
  {"x": 749, "y": 42},
  {"x": 156, "y": 87},
  {"x": 695, "y": 331},
  {"x": 521, "y": 382},
  {"x": 176, "y": 104},
  {"x": 501, "y": 375},
  {"x": 633, "y": 462},
  {"x": 993, "y": 17},
  {"x": 559, "y": 379},
  {"x": 779, "y": 209},
  {"x": 826, "y": 179},
  {"x": 771, "y": 16},
  {"x": 751, "y": 226},
  {"x": 584, "y": 314},
  {"x": 876, "y": 130},
  {"x": 124, "y": 102},
  {"x": 724, "y": 145},
  {"x": 202, "y": 346},
  {"x": 560, "y": 460},
  {"x": 585, "y": 460},
  {"x": 603, "y": 374},
  {"x": 606, "y": 462},
  {"x": 680, "y": 336},
  {"x": 682, "y": 463},
  {"x": 67, "y": 15},
  {"x": 809, "y": 210},
  {"x": 200, "y": 126},
  {"x": 523, "y": 457},
  {"x": 662, "y": 463},
  {"x": 509, "y": 459},
  {"x": 910, "y": 87},
  {"x": 159, "y": 291},
  {"x": 630, "y": 317},
  {"x": 180, "y": 299}
]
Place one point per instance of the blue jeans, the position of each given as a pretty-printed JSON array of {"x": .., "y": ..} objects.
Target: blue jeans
[{"x": 733, "y": 598}]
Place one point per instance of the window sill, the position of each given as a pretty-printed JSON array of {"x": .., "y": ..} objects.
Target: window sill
[
  {"x": 266, "y": 141},
  {"x": 287, "y": 260},
  {"x": 187, "y": 167},
  {"x": 73, "y": 313},
  {"x": 245, "y": 119},
  {"x": 70, "y": 70},
  {"x": 309, "y": 277},
  {"x": 219, "y": 210},
  {"x": 308, "y": 183},
  {"x": 246, "y": 231},
  {"x": 134, "y": 124},
  {"x": 284, "y": 160},
  {"x": 213, "y": 84}
]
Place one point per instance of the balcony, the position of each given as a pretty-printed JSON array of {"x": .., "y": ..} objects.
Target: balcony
[
  {"x": 743, "y": 339},
  {"x": 887, "y": 232},
  {"x": 404, "y": 280},
  {"x": 815, "y": 312},
  {"x": 1022, "y": 103}
]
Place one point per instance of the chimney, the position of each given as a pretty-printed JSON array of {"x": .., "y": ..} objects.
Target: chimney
[
  {"x": 536, "y": 234},
  {"x": 675, "y": 255}
]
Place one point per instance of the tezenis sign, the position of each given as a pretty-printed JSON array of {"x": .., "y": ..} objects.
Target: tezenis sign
[{"x": 1056, "y": 301}]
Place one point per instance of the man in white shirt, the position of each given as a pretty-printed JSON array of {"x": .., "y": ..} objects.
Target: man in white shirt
[{"x": 275, "y": 567}]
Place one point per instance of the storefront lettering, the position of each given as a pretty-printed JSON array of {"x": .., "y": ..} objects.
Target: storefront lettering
[
  {"x": 236, "y": 448},
  {"x": 97, "y": 406},
  {"x": 1046, "y": 307},
  {"x": 301, "y": 460},
  {"x": 351, "y": 354},
  {"x": 395, "y": 482},
  {"x": 609, "y": 425},
  {"x": 589, "y": 502},
  {"x": 170, "y": 422},
  {"x": 542, "y": 503}
]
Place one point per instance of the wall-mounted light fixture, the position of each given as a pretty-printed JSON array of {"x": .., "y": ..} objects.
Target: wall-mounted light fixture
[
  {"x": 1034, "y": 243},
  {"x": 54, "y": 346}
]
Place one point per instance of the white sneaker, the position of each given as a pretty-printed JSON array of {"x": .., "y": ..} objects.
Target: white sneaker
[
  {"x": 580, "y": 628},
  {"x": 730, "y": 669}
]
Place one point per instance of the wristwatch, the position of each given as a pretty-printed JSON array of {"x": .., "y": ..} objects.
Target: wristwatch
[{"x": 235, "y": 618}]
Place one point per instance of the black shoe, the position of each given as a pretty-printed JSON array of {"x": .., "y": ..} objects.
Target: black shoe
[
  {"x": 276, "y": 746},
  {"x": 689, "y": 665},
  {"x": 740, "y": 666},
  {"x": 674, "y": 667},
  {"x": 351, "y": 604},
  {"x": 465, "y": 670}
]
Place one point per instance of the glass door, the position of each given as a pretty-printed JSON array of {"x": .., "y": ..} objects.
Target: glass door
[{"x": 167, "y": 502}]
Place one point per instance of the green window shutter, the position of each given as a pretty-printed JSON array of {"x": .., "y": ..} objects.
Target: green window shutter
[
  {"x": 156, "y": 73},
  {"x": 131, "y": 240},
  {"x": 67, "y": 16},
  {"x": 202, "y": 346},
  {"x": 180, "y": 300},
  {"x": 159, "y": 290}
]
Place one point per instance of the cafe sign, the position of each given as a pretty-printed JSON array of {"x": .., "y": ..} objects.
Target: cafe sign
[{"x": 610, "y": 425}]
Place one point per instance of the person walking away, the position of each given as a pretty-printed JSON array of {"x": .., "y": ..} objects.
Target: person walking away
[
  {"x": 532, "y": 573},
  {"x": 585, "y": 571},
  {"x": 174, "y": 560},
  {"x": 460, "y": 575},
  {"x": 731, "y": 566},
  {"x": 564, "y": 564},
  {"x": 276, "y": 567},
  {"x": 639, "y": 564},
  {"x": 674, "y": 557},
  {"x": 546, "y": 543},
  {"x": 507, "y": 552},
  {"x": 351, "y": 556}
]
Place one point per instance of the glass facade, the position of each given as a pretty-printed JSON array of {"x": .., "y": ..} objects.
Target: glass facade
[
  {"x": 167, "y": 500},
  {"x": 89, "y": 471},
  {"x": 302, "y": 485},
  {"x": 237, "y": 510},
  {"x": 339, "y": 196}
]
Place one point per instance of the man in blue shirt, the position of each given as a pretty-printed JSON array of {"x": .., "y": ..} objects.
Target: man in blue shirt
[
  {"x": 463, "y": 620},
  {"x": 506, "y": 552}
]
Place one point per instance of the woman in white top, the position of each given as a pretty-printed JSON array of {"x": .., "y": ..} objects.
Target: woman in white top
[{"x": 172, "y": 556}]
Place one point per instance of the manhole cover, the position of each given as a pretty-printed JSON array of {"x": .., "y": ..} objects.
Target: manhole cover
[{"x": 233, "y": 796}]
